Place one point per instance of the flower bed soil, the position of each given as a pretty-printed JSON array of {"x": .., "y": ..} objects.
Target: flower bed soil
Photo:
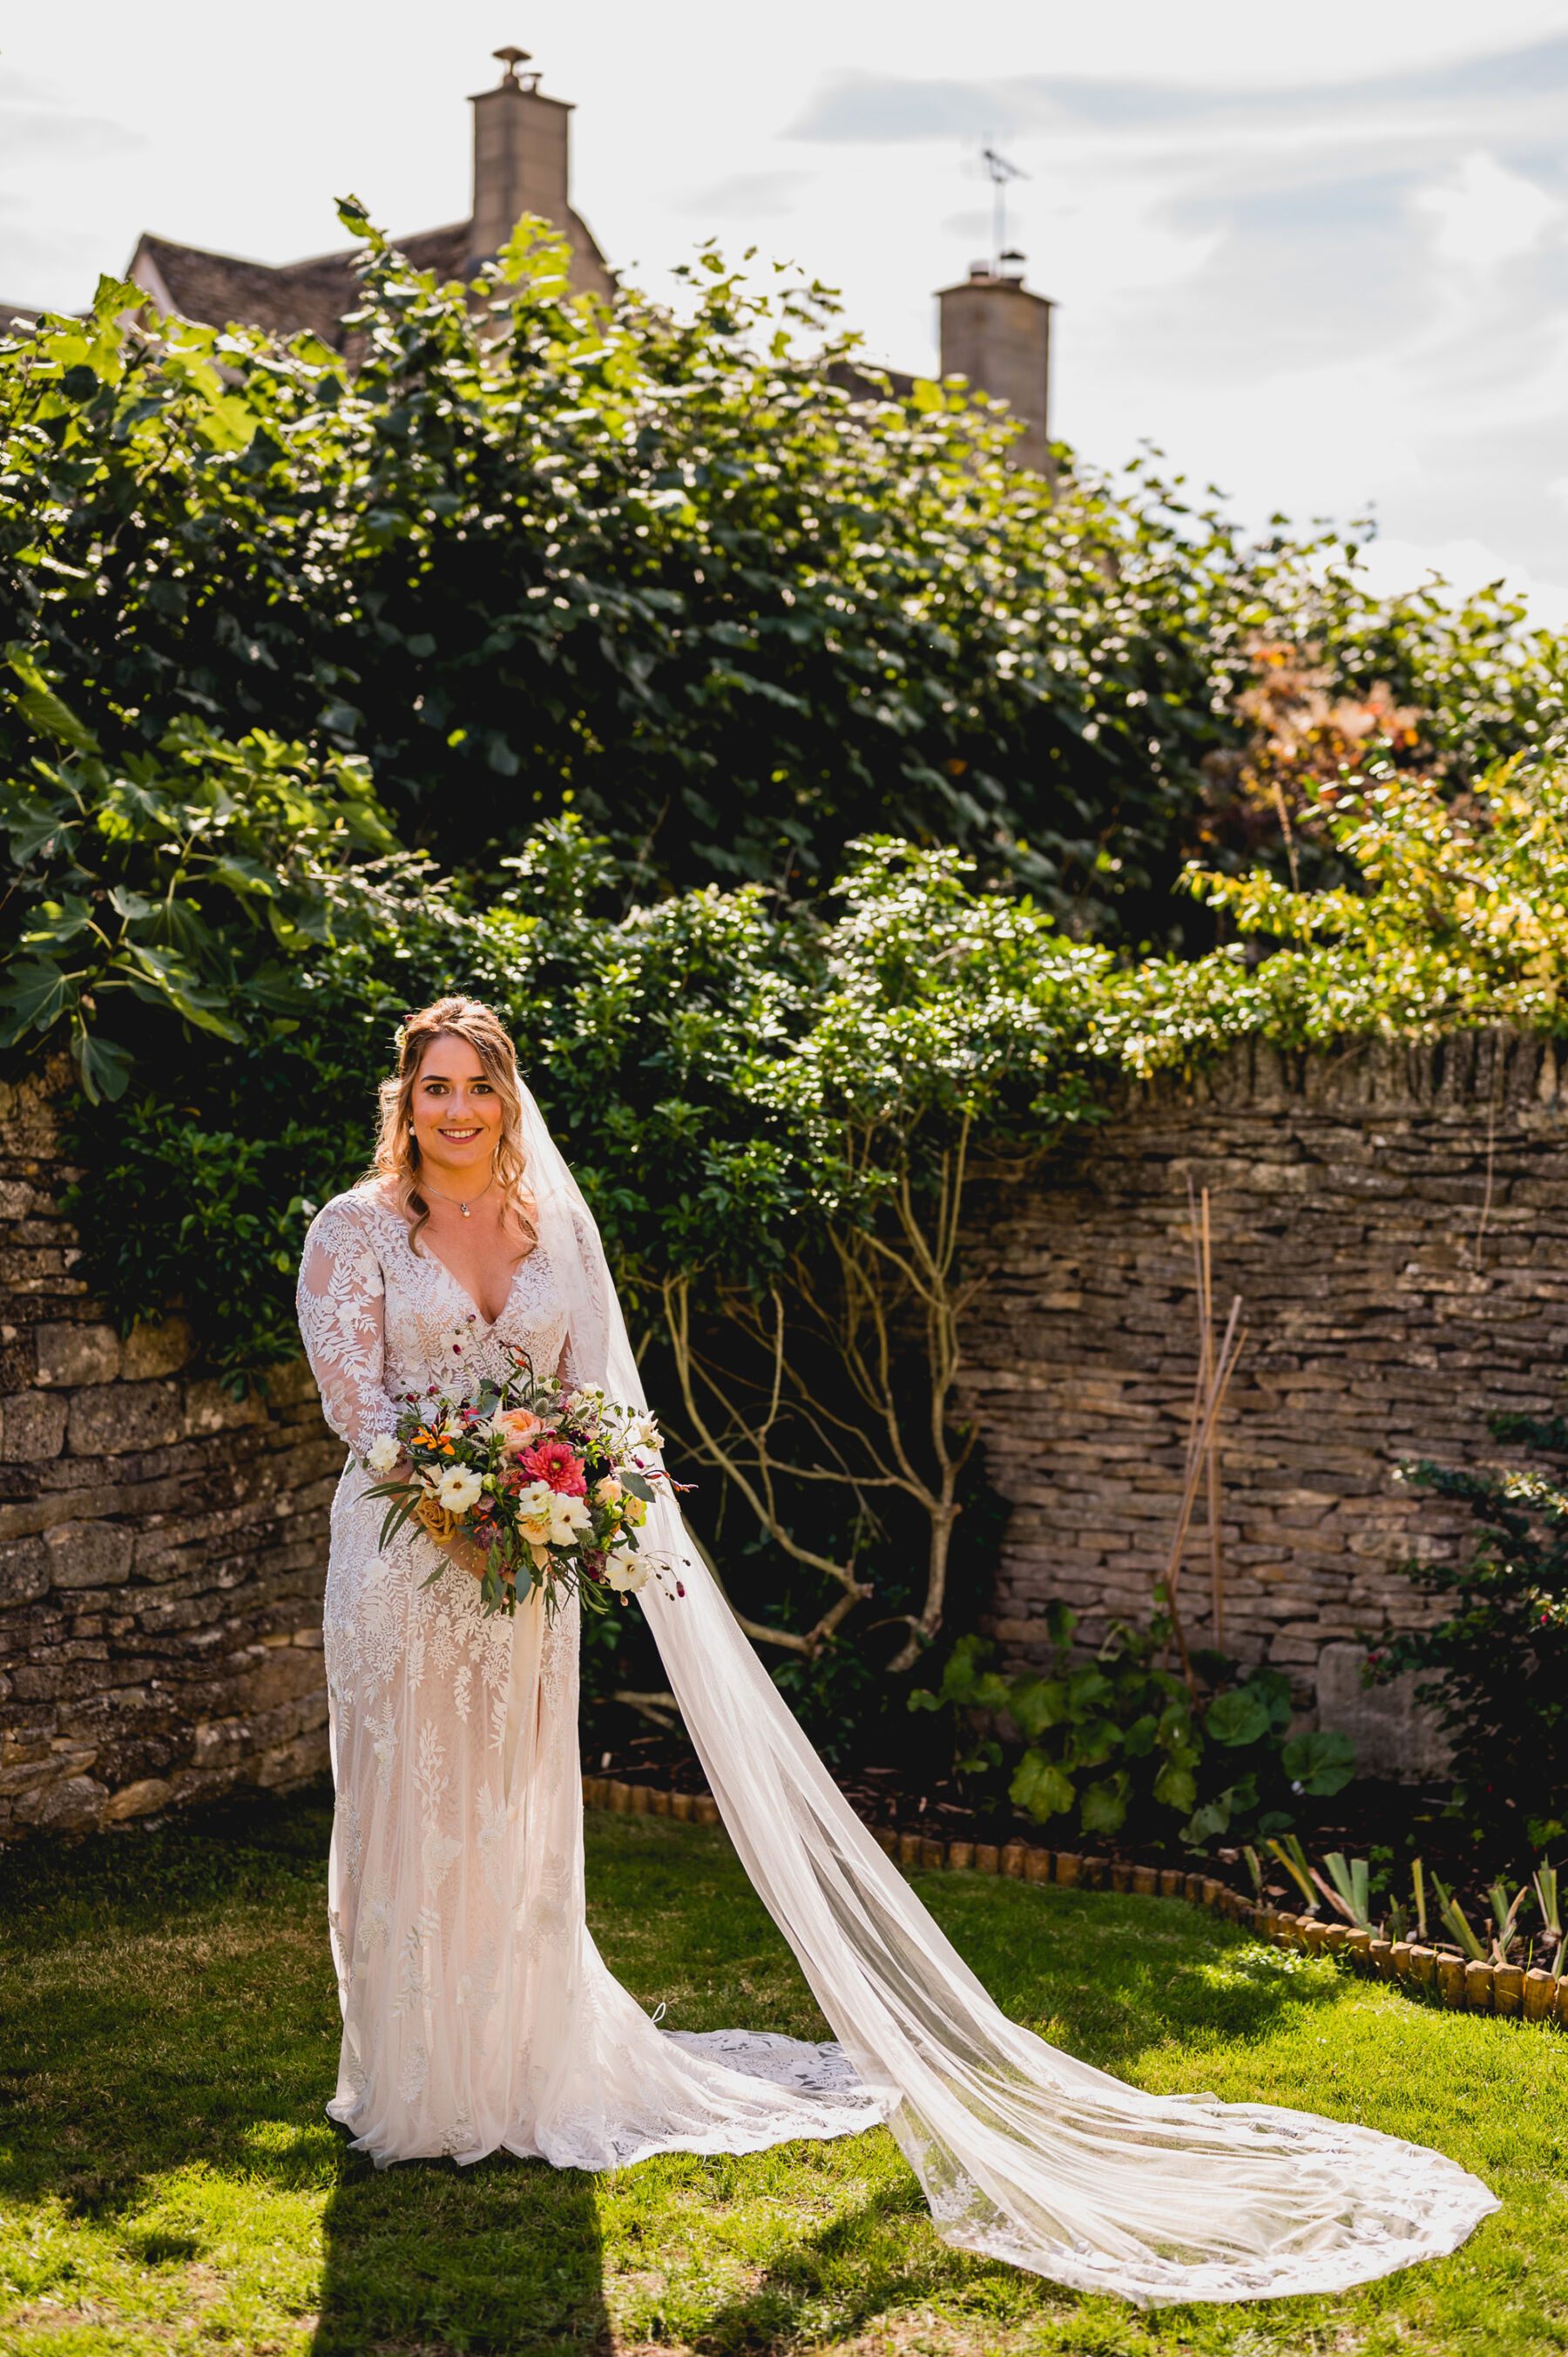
[
  {"x": 1406, "y": 1820},
  {"x": 1435, "y": 1974},
  {"x": 1399, "y": 1819}
]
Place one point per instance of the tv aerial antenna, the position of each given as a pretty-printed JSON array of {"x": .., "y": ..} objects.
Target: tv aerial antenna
[{"x": 999, "y": 171}]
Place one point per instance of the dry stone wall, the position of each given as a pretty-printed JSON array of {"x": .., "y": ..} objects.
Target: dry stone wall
[
  {"x": 1397, "y": 1224},
  {"x": 163, "y": 1547}
]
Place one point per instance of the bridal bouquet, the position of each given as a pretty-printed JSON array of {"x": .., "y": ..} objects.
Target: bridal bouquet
[{"x": 550, "y": 1483}]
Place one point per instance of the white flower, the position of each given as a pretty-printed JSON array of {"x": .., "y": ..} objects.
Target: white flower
[
  {"x": 384, "y": 1454},
  {"x": 459, "y": 1489},
  {"x": 568, "y": 1516},
  {"x": 625, "y": 1572}
]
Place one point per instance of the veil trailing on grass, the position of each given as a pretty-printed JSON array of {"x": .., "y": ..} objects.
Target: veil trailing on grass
[{"x": 1025, "y": 2154}]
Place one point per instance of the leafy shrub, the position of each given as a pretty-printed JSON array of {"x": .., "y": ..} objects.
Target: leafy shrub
[
  {"x": 1120, "y": 1743},
  {"x": 533, "y": 555},
  {"x": 1495, "y": 1664},
  {"x": 192, "y": 880}
]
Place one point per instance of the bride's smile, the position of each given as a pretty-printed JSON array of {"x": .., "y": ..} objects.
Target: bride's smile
[{"x": 456, "y": 1114}]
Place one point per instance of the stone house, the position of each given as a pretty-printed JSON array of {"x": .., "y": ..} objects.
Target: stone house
[
  {"x": 522, "y": 165},
  {"x": 995, "y": 332}
]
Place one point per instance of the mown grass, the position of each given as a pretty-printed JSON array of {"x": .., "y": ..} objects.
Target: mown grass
[{"x": 168, "y": 2182}]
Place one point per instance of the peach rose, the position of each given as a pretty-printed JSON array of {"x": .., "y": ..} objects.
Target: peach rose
[{"x": 517, "y": 1428}]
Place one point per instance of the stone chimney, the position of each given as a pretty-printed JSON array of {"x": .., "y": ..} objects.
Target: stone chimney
[
  {"x": 998, "y": 335},
  {"x": 522, "y": 143}
]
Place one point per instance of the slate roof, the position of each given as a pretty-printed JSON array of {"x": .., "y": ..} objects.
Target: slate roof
[{"x": 311, "y": 296}]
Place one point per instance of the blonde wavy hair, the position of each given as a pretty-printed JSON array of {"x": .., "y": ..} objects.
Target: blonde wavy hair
[{"x": 397, "y": 1150}]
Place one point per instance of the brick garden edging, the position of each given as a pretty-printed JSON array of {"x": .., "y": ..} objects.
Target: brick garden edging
[
  {"x": 1507, "y": 1990},
  {"x": 1462, "y": 1986}
]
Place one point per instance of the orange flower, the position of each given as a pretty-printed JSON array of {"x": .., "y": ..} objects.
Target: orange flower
[{"x": 517, "y": 1428}]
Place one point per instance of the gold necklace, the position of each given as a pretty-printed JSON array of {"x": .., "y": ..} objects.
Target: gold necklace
[{"x": 426, "y": 1189}]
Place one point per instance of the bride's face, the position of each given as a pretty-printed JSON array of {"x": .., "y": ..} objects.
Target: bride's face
[{"x": 456, "y": 1111}]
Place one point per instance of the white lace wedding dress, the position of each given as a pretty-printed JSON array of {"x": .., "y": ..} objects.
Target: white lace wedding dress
[{"x": 476, "y": 2012}]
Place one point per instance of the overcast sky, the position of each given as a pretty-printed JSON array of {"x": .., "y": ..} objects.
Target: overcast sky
[{"x": 1320, "y": 255}]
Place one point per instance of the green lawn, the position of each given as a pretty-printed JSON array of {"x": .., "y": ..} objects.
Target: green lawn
[{"x": 168, "y": 2182}]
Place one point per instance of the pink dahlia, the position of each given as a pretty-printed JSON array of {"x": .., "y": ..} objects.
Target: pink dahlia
[{"x": 553, "y": 1462}]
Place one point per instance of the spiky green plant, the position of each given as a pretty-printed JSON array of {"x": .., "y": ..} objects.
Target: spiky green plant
[
  {"x": 1350, "y": 1891},
  {"x": 1547, "y": 1900},
  {"x": 1293, "y": 1857},
  {"x": 1505, "y": 1914},
  {"x": 1457, "y": 1924}
]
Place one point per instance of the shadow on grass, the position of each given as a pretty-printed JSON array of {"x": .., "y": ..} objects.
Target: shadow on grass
[
  {"x": 868, "y": 2264},
  {"x": 171, "y": 2038},
  {"x": 505, "y": 2256},
  {"x": 1113, "y": 1977}
]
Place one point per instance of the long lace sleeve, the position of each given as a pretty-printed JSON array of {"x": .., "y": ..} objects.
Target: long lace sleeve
[{"x": 342, "y": 1303}]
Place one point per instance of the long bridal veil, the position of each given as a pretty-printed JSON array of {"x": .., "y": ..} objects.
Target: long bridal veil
[{"x": 1024, "y": 2153}]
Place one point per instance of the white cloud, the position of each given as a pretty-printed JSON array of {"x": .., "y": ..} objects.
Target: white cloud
[
  {"x": 1486, "y": 214},
  {"x": 748, "y": 196},
  {"x": 1267, "y": 260}
]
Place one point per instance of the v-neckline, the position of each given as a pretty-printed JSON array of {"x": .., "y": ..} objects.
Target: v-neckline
[{"x": 489, "y": 1324}]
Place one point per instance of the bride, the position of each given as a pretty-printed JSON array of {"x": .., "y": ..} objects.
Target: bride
[{"x": 476, "y": 2012}]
